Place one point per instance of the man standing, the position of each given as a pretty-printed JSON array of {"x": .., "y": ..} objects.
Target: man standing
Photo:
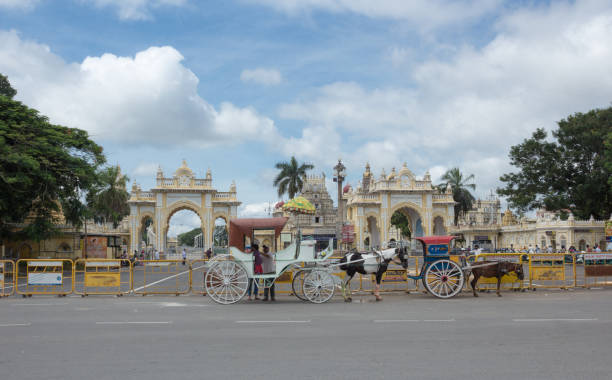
[
  {"x": 156, "y": 254},
  {"x": 184, "y": 256}
]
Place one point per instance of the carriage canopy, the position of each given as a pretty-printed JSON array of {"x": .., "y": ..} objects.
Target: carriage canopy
[
  {"x": 241, "y": 228},
  {"x": 436, "y": 245}
]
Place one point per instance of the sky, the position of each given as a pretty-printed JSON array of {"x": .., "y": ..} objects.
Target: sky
[{"x": 239, "y": 85}]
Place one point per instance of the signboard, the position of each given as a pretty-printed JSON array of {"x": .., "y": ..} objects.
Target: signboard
[
  {"x": 96, "y": 247},
  {"x": 395, "y": 275},
  {"x": 103, "y": 279},
  {"x": 348, "y": 233},
  {"x": 437, "y": 249},
  {"x": 598, "y": 264},
  {"x": 44, "y": 278}
]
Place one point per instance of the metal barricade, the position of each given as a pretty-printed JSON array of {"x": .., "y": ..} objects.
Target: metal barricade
[
  {"x": 7, "y": 278},
  {"x": 597, "y": 269},
  {"x": 161, "y": 277},
  {"x": 198, "y": 269},
  {"x": 508, "y": 281},
  {"x": 547, "y": 270},
  {"x": 44, "y": 277},
  {"x": 102, "y": 277}
]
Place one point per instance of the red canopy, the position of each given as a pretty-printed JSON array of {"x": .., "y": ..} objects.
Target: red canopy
[
  {"x": 429, "y": 240},
  {"x": 239, "y": 228}
]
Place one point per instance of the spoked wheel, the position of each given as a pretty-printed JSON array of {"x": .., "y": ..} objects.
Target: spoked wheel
[
  {"x": 297, "y": 284},
  {"x": 318, "y": 286},
  {"x": 443, "y": 278},
  {"x": 226, "y": 281}
]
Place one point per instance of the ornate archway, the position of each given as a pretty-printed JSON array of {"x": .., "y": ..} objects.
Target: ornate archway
[{"x": 179, "y": 192}]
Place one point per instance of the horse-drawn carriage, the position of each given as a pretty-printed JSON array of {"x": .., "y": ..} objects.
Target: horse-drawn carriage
[{"x": 227, "y": 278}]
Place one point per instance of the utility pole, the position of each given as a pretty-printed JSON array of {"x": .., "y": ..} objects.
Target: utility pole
[{"x": 339, "y": 176}]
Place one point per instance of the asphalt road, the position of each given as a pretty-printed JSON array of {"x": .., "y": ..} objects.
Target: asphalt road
[{"x": 531, "y": 335}]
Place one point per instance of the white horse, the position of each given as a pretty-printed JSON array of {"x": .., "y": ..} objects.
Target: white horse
[{"x": 370, "y": 263}]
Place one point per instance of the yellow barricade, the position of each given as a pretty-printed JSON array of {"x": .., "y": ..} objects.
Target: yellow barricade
[
  {"x": 598, "y": 269},
  {"x": 507, "y": 281},
  {"x": 103, "y": 277},
  {"x": 44, "y": 277},
  {"x": 547, "y": 270},
  {"x": 7, "y": 278},
  {"x": 161, "y": 277},
  {"x": 198, "y": 272}
]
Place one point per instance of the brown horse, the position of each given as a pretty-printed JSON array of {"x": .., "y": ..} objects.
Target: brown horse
[{"x": 495, "y": 269}]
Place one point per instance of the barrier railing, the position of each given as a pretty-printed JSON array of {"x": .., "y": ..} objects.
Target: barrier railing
[
  {"x": 161, "y": 277},
  {"x": 102, "y": 277},
  {"x": 44, "y": 277},
  {"x": 547, "y": 270},
  {"x": 198, "y": 272},
  {"x": 598, "y": 268},
  {"x": 509, "y": 281},
  {"x": 7, "y": 278}
]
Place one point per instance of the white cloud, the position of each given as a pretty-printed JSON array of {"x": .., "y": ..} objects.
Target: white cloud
[
  {"x": 18, "y": 4},
  {"x": 148, "y": 169},
  {"x": 150, "y": 98},
  {"x": 136, "y": 9},
  {"x": 253, "y": 210},
  {"x": 543, "y": 65},
  {"x": 425, "y": 14},
  {"x": 261, "y": 75}
]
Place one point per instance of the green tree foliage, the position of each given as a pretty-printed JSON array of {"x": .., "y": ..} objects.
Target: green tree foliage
[
  {"x": 571, "y": 171},
  {"x": 401, "y": 222},
  {"x": 42, "y": 165},
  {"x": 186, "y": 238},
  {"x": 5, "y": 88},
  {"x": 108, "y": 198},
  {"x": 460, "y": 187},
  {"x": 291, "y": 177}
]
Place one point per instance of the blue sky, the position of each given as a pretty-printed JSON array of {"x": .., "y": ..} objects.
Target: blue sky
[{"x": 240, "y": 85}]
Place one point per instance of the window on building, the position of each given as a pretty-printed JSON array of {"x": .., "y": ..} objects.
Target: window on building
[{"x": 317, "y": 219}]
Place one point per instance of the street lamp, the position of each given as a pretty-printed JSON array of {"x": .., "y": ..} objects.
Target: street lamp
[{"x": 339, "y": 176}]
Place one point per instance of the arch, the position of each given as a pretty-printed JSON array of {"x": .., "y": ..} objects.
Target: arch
[
  {"x": 64, "y": 247},
  {"x": 24, "y": 251},
  {"x": 170, "y": 212},
  {"x": 439, "y": 226},
  {"x": 373, "y": 229},
  {"x": 582, "y": 245}
]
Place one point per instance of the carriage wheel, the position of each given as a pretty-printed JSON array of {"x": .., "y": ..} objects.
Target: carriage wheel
[
  {"x": 226, "y": 281},
  {"x": 318, "y": 286},
  {"x": 297, "y": 284},
  {"x": 443, "y": 278}
]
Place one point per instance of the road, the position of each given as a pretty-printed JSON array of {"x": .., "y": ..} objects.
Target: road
[{"x": 531, "y": 335}]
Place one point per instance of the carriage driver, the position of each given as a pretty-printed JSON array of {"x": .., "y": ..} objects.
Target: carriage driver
[{"x": 268, "y": 267}]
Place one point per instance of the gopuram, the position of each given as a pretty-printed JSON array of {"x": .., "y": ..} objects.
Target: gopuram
[{"x": 182, "y": 191}]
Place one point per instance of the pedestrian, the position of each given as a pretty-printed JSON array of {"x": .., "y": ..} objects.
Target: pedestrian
[
  {"x": 597, "y": 249},
  {"x": 257, "y": 269},
  {"x": 588, "y": 248},
  {"x": 156, "y": 254},
  {"x": 208, "y": 253},
  {"x": 549, "y": 249},
  {"x": 268, "y": 267},
  {"x": 184, "y": 256}
]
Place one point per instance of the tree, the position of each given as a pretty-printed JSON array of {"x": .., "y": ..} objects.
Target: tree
[
  {"x": 291, "y": 177},
  {"x": 42, "y": 166},
  {"x": 220, "y": 237},
  {"x": 108, "y": 198},
  {"x": 186, "y": 238},
  {"x": 5, "y": 87},
  {"x": 401, "y": 222},
  {"x": 573, "y": 171},
  {"x": 460, "y": 187}
]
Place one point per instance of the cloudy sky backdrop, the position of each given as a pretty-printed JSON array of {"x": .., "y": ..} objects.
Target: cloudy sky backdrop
[{"x": 238, "y": 85}]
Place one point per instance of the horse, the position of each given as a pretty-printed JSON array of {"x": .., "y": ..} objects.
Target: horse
[
  {"x": 369, "y": 263},
  {"x": 495, "y": 269}
]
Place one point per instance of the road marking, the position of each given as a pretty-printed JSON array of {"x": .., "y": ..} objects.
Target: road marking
[
  {"x": 136, "y": 323},
  {"x": 439, "y": 320},
  {"x": 40, "y": 304},
  {"x": 554, "y": 319},
  {"x": 166, "y": 278},
  {"x": 305, "y": 321},
  {"x": 15, "y": 324},
  {"x": 394, "y": 320}
]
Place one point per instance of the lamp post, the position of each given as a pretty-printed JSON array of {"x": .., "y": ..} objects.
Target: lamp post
[{"x": 339, "y": 175}]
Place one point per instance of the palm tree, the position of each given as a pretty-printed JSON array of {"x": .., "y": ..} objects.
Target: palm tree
[
  {"x": 291, "y": 177},
  {"x": 460, "y": 187},
  {"x": 108, "y": 200}
]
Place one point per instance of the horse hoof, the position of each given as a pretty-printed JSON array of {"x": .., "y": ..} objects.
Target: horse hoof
[
  {"x": 348, "y": 300},
  {"x": 475, "y": 295}
]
